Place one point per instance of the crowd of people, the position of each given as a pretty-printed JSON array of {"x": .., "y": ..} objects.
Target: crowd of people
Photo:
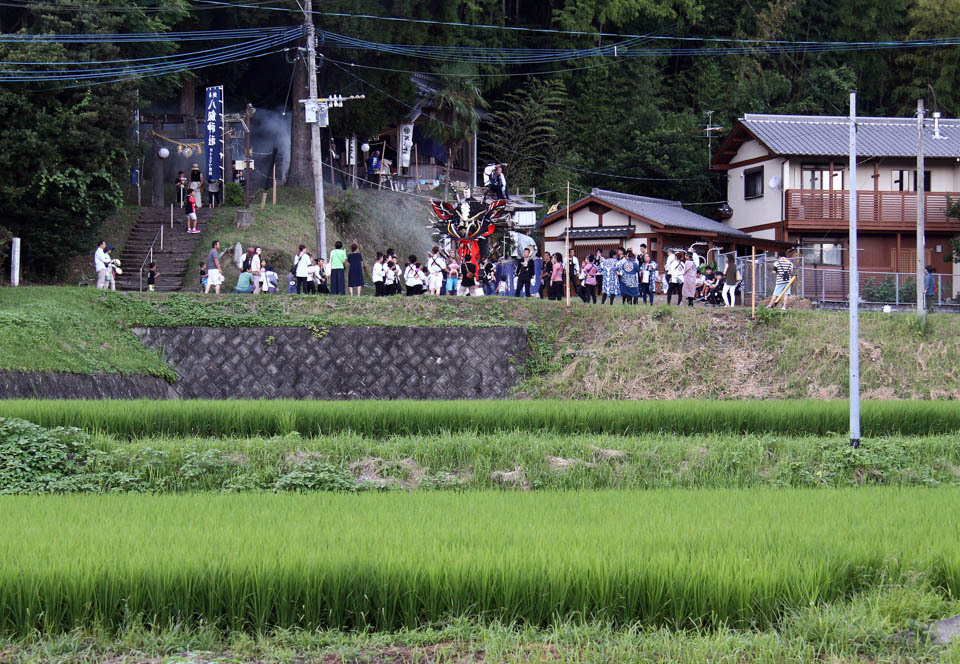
[{"x": 620, "y": 275}]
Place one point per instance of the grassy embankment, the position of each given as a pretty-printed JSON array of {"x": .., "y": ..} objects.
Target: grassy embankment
[
  {"x": 581, "y": 352},
  {"x": 380, "y": 220}
]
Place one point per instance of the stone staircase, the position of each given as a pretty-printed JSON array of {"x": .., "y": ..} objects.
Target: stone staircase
[{"x": 173, "y": 261}]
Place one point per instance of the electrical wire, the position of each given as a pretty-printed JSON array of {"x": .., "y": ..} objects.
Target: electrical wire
[{"x": 106, "y": 37}]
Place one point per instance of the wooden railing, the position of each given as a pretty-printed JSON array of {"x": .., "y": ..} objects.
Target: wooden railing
[{"x": 876, "y": 210}]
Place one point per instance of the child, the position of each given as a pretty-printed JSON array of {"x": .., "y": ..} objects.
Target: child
[
  {"x": 203, "y": 277},
  {"x": 453, "y": 276},
  {"x": 111, "y": 275},
  {"x": 152, "y": 277},
  {"x": 378, "y": 274},
  {"x": 389, "y": 278}
]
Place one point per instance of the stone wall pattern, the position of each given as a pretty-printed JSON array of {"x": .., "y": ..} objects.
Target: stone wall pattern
[{"x": 342, "y": 362}]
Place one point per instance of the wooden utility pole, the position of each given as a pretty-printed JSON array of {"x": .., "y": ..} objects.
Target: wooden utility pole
[
  {"x": 566, "y": 248},
  {"x": 316, "y": 159},
  {"x": 921, "y": 213}
]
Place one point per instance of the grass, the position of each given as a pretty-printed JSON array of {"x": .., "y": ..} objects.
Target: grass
[
  {"x": 705, "y": 559},
  {"x": 622, "y": 353},
  {"x": 842, "y": 633},
  {"x": 387, "y": 418},
  {"x": 386, "y": 219}
]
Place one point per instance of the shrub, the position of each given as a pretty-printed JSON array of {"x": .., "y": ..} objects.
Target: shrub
[
  {"x": 233, "y": 194},
  {"x": 38, "y": 460},
  {"x": 345, "y": 211}
]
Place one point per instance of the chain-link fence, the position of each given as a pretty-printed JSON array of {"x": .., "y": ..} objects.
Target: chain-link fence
[{"x": 828, "y": 284}]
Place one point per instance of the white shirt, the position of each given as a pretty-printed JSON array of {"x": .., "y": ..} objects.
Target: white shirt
[
  {"x": 413, "y": 276},
  {"x": 255, "y": 265},
  {"x": 313, "y": 272},
  {"x": 100, "y": 260},
  {"x": 303, "y": 264},
  {"x": 377, "y": 272},
  {"x": 434, "y": 264},
  {"x": 389, "y": 275}
]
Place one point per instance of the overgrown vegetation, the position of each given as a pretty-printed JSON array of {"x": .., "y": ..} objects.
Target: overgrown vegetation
[{"x": 34, "y": 460}]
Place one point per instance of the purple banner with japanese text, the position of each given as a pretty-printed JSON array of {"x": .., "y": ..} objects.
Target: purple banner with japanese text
[{"x": 213, "y": 121}]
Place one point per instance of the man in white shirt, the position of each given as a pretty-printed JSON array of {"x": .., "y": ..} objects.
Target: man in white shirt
[
  {"x": 100, "y": 264},
  {"x": 435, "y": 266}
]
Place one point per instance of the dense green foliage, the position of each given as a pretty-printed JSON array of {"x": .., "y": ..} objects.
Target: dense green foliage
[
  {"x": 388, "y": 418},
  {"x": 402, "y": 560},
  {"x": 66, "y": 149},
  {"x": 33, "y": 460}
]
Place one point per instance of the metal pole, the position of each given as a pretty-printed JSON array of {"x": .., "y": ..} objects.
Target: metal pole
[
  {"x": 896, "y": 284},
  {"x": 921, "y": 212},
  {"x": 246, "y": 159},
  {"x": 566, "y": 249},
  {"x": 753, "y": 282},
  {"x": 161, "y": 237},
  {"x": 315, "y": 157},
  {"x": 15, "y": 262},
  {"x": 171, "y": 215},
  {"x": 854, "y": 284}
]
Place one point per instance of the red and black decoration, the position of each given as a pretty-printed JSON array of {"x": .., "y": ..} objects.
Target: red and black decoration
[{"x": 467, "y": 223}]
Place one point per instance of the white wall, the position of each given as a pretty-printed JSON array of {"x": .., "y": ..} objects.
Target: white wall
[
  {"x": 944, "y": 173},
  {"x": 755, "y": 211}
]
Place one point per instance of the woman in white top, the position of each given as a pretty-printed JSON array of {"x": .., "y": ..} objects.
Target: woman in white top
[
  {"x": 257, "y": 271},
  {"x": 435, "y": 268}
]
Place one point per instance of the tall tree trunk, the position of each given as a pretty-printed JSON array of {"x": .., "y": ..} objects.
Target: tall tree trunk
[
  {"x": 156, "y": 173},
  {"x": 300, "y": 173}
]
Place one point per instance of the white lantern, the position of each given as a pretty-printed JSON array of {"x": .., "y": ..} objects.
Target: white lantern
[
  {"x": 365, "y": 148},
  {"x": 163, "y": 153}
]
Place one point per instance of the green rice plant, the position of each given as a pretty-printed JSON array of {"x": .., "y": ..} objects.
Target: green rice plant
[
  {"x": 697, "y": 559},
  {"x": 387, "y": 418}
]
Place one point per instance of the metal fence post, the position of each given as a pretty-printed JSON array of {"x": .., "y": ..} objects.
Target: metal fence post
[
  {"x": 803, "y": 277},
  {"x": 161, "y": 238},
  {"x": 896, "y": 285},
  {"x": 939, "y": 289}
]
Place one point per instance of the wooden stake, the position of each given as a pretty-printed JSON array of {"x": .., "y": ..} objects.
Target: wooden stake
[
  {"x": 274, "y": 182},
  {"x": 263, "y": 201}
]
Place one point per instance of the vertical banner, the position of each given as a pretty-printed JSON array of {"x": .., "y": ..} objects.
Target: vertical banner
[
  {"x": 406, "y": 144},
  {"x": 213, "y": 121},
  {"x": 352, "y": 151}
]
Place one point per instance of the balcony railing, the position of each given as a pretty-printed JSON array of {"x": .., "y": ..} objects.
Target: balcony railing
[{"x": 877, "y": 210}]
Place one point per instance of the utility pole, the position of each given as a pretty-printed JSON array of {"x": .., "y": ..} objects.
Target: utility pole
[
  {"x": 315, "y": 158},
  {"x": 921, "y": 213},
  {"x": 246, "y": 157},
  {"x": 566, "y": 248},
  {"x": 854, "y": 285}
]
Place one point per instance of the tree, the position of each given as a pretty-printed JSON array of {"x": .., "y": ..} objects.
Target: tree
[
  {"x": 456, "y": 115},
  {"x": 65, "y": 148},
  {"x": 525, "y": 128}
]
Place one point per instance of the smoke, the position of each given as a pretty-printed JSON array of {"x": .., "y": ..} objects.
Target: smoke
[{"x": 271, "y": 130}]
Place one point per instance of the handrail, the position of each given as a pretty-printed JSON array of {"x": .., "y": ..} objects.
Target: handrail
[{"x": 149, "y": 257}]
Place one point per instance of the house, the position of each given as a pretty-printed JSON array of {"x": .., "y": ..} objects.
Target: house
[
  {"x": 788, "y": 180},
  {"x": 607, "y": 219}
]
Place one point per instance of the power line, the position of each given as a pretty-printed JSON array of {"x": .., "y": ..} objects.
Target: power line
[{"x": 504, "y": 75}]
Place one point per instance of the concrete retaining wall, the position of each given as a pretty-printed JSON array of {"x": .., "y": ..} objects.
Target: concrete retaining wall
[{"x": 304, "y": 363}]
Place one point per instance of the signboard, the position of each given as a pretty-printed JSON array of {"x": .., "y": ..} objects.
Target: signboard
[
  {"x": 213, "y": 140},
  {"x": 351, "y": 151},
  {"x": 406, "y": 144}
]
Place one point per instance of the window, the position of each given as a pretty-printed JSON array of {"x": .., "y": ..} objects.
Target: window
[
  {"x": 907, "y": 180},
  {"x": 818, "y": 177},
  {"x": 822, "y": 253},
  {"x": 753, "y": 183}
]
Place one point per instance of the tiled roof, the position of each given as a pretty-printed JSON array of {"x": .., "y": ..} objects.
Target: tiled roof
[
  {"x": 667, "y": 212},
  {"x": 829, "y": 136},
  {"x": 598, "y": 232}
]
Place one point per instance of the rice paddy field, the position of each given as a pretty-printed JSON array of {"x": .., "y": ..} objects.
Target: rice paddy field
[{"x": 476, "y": 532}]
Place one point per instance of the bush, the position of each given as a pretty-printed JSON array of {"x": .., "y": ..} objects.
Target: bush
[
  {"x": 233, "y": 194},
  {"x": 345, "y": 211},
  {"x": 38, "y": 460},
  {"x": 6, "y": 237}
]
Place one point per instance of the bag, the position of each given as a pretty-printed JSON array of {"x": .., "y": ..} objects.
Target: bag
[
  {"x": 293, "y": 270},
  {"x": 247, "y": 263}
]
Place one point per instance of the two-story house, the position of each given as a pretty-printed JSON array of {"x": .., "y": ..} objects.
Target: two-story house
[{"x": 788, "y": 179}]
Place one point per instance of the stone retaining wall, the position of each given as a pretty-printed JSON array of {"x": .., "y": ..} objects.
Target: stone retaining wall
[{"x": 304, "y": 363}]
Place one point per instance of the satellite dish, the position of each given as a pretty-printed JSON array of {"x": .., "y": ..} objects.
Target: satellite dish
[{"x": 774, "y": 182}]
